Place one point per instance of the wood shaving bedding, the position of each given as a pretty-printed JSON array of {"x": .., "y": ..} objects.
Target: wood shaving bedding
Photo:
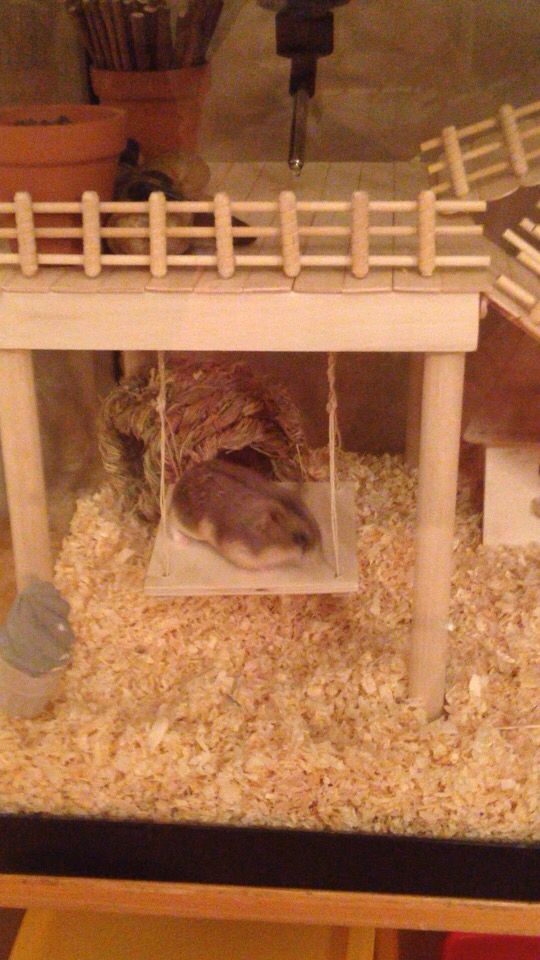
[{"x": 291, "y": 711}]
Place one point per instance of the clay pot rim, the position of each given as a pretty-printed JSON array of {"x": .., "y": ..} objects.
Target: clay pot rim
[
  {"x": 151, "y": 74},
  {"x": 147, "y": 85},
  {"x": 97, "y": 131}
]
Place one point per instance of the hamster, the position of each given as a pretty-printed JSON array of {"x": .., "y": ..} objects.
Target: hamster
[{"x": 249, "y": 520}]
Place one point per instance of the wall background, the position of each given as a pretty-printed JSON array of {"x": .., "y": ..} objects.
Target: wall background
[{"x": 399, "y": 71}]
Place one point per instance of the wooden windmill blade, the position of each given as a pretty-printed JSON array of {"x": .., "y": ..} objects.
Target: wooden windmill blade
[
  {"x": 518, "y": 289},
  {"x": 487, "y": 159}
]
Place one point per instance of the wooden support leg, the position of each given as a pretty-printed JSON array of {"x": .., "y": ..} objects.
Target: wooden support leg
[
  {"x": 439, "y": 459},
  {"x": 135, "y": 362},
  {"x": 414, "y": 409},
  {"x": 386, "y": 945},
  {"x": 82, "y": 365},
  {"x": 338, "y": 946},
  {"x": 23, "y": 468}
]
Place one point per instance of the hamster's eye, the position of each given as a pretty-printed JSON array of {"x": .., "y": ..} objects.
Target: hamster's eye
[{"x": 301, "y": 540}]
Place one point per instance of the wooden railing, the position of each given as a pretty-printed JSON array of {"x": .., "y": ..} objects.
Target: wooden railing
[
  {"x": 528, "y": 254},
  {"x": 505, "y": 139},
  {"x": 356, "y": 236}
]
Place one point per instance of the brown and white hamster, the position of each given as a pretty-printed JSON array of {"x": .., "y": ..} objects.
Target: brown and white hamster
[{"x": 249, "y": 520}]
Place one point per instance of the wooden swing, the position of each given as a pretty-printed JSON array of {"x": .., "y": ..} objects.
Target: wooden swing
[{"x": 196, "y": 569}]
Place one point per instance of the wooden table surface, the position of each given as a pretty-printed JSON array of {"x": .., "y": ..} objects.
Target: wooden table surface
[{"x": 385, "y": 310}]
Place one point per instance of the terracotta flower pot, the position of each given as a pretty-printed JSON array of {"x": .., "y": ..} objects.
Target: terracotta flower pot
[
  {"x": 60, "y": 161},
  {"x": 163, "y": 107}
]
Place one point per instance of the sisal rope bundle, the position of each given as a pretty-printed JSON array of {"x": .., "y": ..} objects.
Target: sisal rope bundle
[{"x": 209, "y": 408}]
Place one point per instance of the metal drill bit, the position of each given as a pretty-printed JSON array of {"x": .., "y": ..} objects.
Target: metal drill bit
[{"x": 297, "y": 143}]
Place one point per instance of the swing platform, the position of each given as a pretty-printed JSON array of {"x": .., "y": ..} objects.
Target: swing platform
[{"x": 195, "y": 569}]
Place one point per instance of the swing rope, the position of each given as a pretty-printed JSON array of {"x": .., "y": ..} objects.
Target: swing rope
[
  {"x": 334, "y": 438},
  {"x": 162, "y": 411}
]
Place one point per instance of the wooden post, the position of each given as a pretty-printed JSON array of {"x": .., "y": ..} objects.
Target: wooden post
[
  {"x": 454, "y": 159},
  {"x": 426, "y": 233},
  {"x": 439, "y": 458},
  {"x": 25, "y": 483},
  {"x": 513, "y": 141},
  {"x": 224, "y": 235},
  {"x": 414, "y": 409},
  {"x": 26, "y": 236},
  {"x": 136, "y": 362},
  {"x": 290, "y": 243},
  {"x": 91, "y": 226},
  {"x": 81, "y": 363},
  {"x": 386, "y": 945},
  {"x": 360, "y": 234},
  {"x": 157, "y": 226}
]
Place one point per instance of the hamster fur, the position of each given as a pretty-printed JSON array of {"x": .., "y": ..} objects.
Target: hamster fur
[{"x": 249, "y": 520}]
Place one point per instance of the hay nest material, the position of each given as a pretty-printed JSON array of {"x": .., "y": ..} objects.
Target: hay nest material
[{"x": 213, "y": 408}]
